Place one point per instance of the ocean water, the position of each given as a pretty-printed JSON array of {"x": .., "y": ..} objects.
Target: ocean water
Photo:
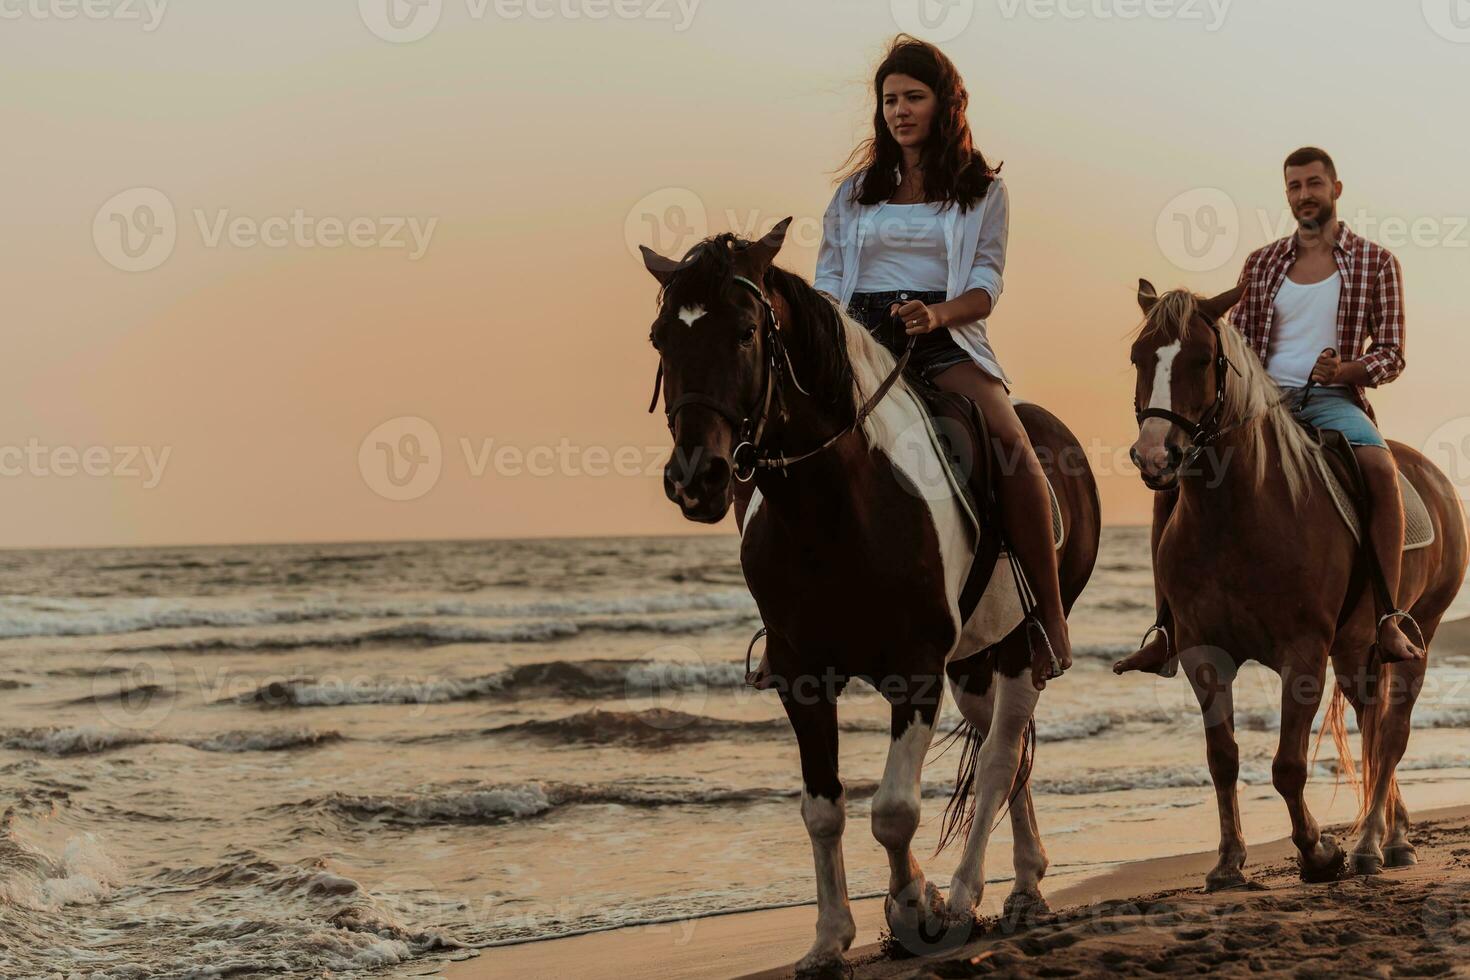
[{"x": 364, "y": 759}]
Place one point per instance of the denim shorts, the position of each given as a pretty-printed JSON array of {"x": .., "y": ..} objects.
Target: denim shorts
[
  {"x": 934, "y": 352},
  {"x": 1335, "y": 408}
]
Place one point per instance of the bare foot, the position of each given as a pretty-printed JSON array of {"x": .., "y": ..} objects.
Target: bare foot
[
  {"x": 1150, "y": 658},
  {"x": 1042, "y": 669},
  {"x": 1394, "y": 646},
  {"x": 761, "y": 678}
]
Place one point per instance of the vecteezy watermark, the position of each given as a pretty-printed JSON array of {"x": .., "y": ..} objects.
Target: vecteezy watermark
[
  {"x": 402, "y": 458},
  {"x": 34, "y": 459},
  {"x": 1198, "y": 230},
  {"x": 934, "y": 20},
  {"x": 1450, "y": 19},
  {"x": 670, "y": 221},
  {"x": 134, "y": 691},
  {"x": 1210, "y": 13},
  {"x": 1448, "y": 447},
  {"x": 147, "y": 13},
  {"x": 137, "y": 230},
  {"x": 406, "y": 21}
]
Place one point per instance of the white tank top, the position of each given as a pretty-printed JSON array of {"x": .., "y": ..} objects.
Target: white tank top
[
  {"x": 905, "y": 248},
  {"x": 1305, "y": 323}
]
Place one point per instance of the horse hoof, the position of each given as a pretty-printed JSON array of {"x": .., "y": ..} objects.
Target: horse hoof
[
  {"x": 823, "y": 968},
  {"x": 927, "y": 927},
  {"x": 1328, "y": 868},
  {"x": 1366, "y": 863},
  {"x": 1400, "y": 856},
  {"x": 1025, "y": 906},
  {"x": 1219, "y": 881}
]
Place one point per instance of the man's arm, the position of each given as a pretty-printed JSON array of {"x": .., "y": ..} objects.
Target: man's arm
[{"x": 1385, "y": 358}]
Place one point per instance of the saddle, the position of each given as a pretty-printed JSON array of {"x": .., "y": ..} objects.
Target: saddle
[{"x": 964, "y": 444}]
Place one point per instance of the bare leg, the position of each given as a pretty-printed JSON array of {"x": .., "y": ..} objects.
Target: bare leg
[
  {"x": 1154, "y": 655},
  {"x": 1025, "y": 506},
  {"x": 824, "y": 811},
  {"x": 912, "y": 902},
  {"x": 1213, "y": 680},
  {"x": 1387, "y": 534},
  {"x": 1301, "y": 693}
]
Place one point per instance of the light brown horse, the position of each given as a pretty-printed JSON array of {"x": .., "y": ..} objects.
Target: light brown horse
[
  {"x": 1257, "y": 564},
  {"x": 857, "y": 552}
]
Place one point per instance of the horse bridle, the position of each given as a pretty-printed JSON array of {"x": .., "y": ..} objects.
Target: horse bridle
[
  {"x": 750, "y": 426},
  {"x": 1207, "y": 431}
]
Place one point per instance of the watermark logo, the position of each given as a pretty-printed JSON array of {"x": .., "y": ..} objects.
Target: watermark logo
[
  {"x": 401, "y": 21},
  {"x": 148, "y": 13},
  {"x": 1450, "y": 19},
  {"x": 402, "y": 458},
  {"x": 934, "y": 20},
  {"x": 136, "y": 230},
  {"x": 1448, "y": 447},
  {"x": 1199, "y": 230},
  {"x": 669, "y": 221},
  {"x": 1210, "y": 13},
  {"x": 134, "y": 693}
]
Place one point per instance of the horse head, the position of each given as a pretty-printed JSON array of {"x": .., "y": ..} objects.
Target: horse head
[
  {"x": 713, "y": 336},
  {"x": 1181, "y": 362}
]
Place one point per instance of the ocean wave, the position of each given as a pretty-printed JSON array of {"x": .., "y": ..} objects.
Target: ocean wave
[
  {"x": 441, "y": 634},
  {"x": 649, "y": 728},
  {"x": 28, "y": 616},
  {"x": 551, "y": 679},
  {"x": 89, "y": 740}
]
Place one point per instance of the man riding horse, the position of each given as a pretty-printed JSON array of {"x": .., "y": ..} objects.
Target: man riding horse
[{"x": 1323, "y": 309}]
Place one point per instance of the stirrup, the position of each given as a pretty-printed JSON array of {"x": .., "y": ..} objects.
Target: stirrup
[
  {"x": 1171, "y": 661},
  {"x": 1056, "y": 665},
  {"x": 749, "y": 678},
  {"x": 1398, "y": 614}
]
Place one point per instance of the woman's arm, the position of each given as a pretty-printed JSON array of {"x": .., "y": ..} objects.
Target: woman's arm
[
  {"x": 983, "y": 289},
  {"x": 829, "y": 253}
]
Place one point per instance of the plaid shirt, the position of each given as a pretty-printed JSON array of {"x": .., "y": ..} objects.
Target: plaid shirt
[{"x": 1370, "y": 314}]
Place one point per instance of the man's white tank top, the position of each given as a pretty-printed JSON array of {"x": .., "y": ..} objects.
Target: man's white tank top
[{"x": 1305, "y": 323}]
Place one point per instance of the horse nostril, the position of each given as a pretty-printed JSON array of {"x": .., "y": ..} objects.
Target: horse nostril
[
  {"x": 1136, "y": 456},
  {"x": 715, "y": 475},
  {"x": 1174, "y": 454}
]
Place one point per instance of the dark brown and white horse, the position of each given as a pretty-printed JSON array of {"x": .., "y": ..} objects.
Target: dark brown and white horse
[
  {"x": 1257, "y": 564},
  {"x": 856, "y": 556}
]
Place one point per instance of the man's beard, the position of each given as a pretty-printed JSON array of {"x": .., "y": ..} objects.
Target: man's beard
[{"x": 1320, "y": 220}]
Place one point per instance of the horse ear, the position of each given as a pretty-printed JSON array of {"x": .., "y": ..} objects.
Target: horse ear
[
  {"x": 1147, "y": 297},
  {"x": 764, "y": 251},
  {"x": 663, "y": 269},
  {"x": 1214, "y": 309}
]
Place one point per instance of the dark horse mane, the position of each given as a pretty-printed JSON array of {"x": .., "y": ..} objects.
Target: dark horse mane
[{"x": 815, "y": 327}]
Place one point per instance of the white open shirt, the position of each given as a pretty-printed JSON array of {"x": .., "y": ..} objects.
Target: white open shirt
[{"x": 977, "y": 257}]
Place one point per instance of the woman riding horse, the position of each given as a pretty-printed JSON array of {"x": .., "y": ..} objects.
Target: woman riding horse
[{"x": 918, "y": 229}]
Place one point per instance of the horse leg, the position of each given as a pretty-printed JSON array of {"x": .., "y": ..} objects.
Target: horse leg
[
  {"x": 912, "y": 902},
  {"x": 998, "y": 763},
  {"x": 1398, "y": 852},
  {"x": 1397, "y": 692},
  {"x": 1029, "y": 856},
  {"x": 1212, "y": 678},
  {"x": 813, "y": 717},
  {"x": 1301, "y": 693}
]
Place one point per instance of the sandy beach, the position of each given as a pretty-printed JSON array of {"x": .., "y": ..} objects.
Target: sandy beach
[{"x": 1133, "y": 918}]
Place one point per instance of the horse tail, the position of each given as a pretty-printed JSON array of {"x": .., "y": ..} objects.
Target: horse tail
[
  {"x": 1335, "y": 721},
  {"x": 959, "y": 812},
  {"x": 1372, "y": 715}
]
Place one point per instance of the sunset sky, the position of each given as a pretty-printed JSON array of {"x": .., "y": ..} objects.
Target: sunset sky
[{"x": 484, "y": 188}]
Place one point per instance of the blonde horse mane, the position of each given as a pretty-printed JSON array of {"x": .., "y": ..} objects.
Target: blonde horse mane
[{"x": 1250, "y": 395}]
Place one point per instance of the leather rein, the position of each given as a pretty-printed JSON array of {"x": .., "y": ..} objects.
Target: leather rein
[{"x": 750, "y": 426}]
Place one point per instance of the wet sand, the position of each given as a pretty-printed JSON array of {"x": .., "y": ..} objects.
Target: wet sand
[{"x": 1140, "y": 918}]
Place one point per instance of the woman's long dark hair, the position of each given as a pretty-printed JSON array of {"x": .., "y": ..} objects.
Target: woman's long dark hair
[{"x": 955, "y": 171}]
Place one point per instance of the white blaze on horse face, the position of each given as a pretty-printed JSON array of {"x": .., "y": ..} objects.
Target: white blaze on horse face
[
  {"x": 1163, "y": 394},
  {"x": 690, "y": 313}
]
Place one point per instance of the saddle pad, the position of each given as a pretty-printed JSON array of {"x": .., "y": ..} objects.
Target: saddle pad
[{"x": 1418, "y": 528}]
